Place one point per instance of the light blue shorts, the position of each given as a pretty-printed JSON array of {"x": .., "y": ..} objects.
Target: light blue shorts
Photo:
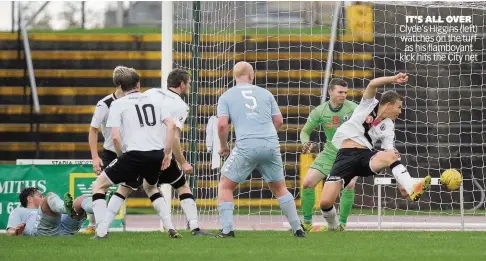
[
  {"x": 62, "y": 225},
  {"x": 265, "y": 158}
]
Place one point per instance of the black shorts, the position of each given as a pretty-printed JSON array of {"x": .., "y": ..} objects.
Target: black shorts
[
  {"x": 172, "y": 175},
  {"x": 107, "y": 156},
  {"x": 349, "y": 163},
  {"x": 133, "y": 166}
]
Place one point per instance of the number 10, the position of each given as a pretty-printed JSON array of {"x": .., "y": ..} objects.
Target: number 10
[{"x": 144, "y": 109}]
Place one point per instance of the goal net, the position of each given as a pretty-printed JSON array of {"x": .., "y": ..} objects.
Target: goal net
[{"x": 288, "y": 44}]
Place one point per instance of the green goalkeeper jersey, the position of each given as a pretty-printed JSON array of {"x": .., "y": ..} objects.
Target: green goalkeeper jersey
[{"x": 330, "y": 119}]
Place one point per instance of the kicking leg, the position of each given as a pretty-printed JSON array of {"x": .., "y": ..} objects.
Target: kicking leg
[
  {"x": 329, "y": 194},
  {"x": 311, "y": 179},
  {"x": 390, "y": 159}
]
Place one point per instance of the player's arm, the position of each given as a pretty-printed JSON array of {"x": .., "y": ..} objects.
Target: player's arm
[
  {"x": 15, "y": 227},
  {"x": 371, "y": 89},
  {"x": 177, "y": 148},
  {"x": 223, "y": 126},
  {"x": 310, "y": 125},
  {"x": 277, "y": 117},
  {"x": 99, "y": 114},
  {"x": 115, "y": 132},
  {"x": 171, "y": 128},
  {"x": 114, "y": 122}
]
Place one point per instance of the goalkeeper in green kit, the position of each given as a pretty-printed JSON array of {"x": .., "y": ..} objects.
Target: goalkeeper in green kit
[{"x": 330, "y": 115}]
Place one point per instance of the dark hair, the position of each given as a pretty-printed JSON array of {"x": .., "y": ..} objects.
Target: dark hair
[
  {"x": 176, "y": 77},
  {"x": 337, "y": 82},
  {"x": 26, "y": 192},
  {"x": 390, "y": 96},
  {"x": 126, "y": 78}
]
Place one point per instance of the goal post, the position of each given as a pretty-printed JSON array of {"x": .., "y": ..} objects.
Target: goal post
[
  {"x": 295, "y": 49},
  {"x": 166, "y": 67}
]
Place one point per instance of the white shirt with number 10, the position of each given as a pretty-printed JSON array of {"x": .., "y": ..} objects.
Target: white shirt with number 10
[{"x": 140, "y": 119}]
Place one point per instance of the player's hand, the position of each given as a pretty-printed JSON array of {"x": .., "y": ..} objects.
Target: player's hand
[
  {"x": 224, "y": 151},
  {"x": 19, "y": 230},
  {"x": 187, "y": 168},
  {"x": 308, "y": 147},
  {"x": 166, "y": 161},
  {"x": 97, "y": 164},
  {"x": 400, "y": 78}
]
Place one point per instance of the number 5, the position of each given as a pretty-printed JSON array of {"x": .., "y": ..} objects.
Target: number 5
[{"x": 249, "y": 97}]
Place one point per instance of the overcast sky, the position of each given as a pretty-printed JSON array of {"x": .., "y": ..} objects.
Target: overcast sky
[{"x": 54, "y": 8}]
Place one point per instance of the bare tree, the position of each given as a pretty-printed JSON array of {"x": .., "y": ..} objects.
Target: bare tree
[
  {"x": 70, "y": 14},
  {"x": 43, "y": 19}
]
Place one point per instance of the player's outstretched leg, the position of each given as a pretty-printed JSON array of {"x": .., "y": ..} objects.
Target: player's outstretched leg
[
  {"x": 311, "y": 179},
  {"x": 390, "y": 159},
  {"x": 287, "y": 204},
  {"x": 226, "y": 206},
  {"x": 160, "y": 206},
  {"x": 189, "y": 207}
]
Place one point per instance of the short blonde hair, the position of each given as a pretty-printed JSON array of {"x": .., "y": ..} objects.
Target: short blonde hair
[{"x": 126, "y": 78}]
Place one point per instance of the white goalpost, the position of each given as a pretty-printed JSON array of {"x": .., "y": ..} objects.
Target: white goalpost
[{"x": 296, "y": 48}]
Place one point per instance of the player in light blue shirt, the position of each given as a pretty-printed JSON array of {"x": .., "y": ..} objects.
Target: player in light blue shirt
[
  {"x": 256, "y": 117},
  {"x": 48, "y": 216}
]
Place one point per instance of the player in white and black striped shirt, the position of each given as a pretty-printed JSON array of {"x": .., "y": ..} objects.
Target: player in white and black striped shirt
[{"x": 371, "y": 121}]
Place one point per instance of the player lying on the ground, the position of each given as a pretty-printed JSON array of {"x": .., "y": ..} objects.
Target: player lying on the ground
[
  {"x": 371, "y": 121},
  {"x": 256, "y": 118},
  {"x": 100, "y": 117},
  {"x": 137, "y": 123},
  {"x": 48, "y": 216},
  {"x": 330, "y": 115},
  {"x": 178, "y": 83}
]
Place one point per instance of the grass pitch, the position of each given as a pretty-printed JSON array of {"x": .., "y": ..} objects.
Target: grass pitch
[{"x": 252, "y": 245}]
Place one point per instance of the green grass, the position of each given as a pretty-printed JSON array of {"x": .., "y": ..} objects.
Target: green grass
[
  {"x": 154, "y": 30},
  {"x": 276, "y": 211},
  {"x": 252, "y": 245}
]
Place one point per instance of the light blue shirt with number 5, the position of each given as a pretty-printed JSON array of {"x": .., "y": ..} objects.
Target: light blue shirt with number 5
[{"x": 250, "y": 109}]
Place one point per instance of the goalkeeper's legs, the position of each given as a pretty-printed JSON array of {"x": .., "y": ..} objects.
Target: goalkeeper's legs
[
  {"x": 311, "y": 179},
  {"x": 390, "y": 159},
  {"x": 346, "y": 202}
]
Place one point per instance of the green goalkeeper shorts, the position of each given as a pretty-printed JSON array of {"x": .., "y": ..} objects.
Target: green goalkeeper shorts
[{"x": 324, "y": 162}]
